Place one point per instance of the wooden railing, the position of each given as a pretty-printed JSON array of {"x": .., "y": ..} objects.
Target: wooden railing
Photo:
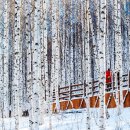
[{"x": 79, "y": 90}]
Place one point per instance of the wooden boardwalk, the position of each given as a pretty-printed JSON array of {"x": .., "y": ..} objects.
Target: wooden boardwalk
[{"x": 73, "y": 96}]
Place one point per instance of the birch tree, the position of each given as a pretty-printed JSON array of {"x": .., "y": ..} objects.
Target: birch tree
[
  {"x": 16, "y": 63},
  {"x": 1, "y": 77},
  {"x": 98, "y": 35},
  {"x": 72, "y": 43},
  {"x": 5, "y": 73},
  {"x": 22, "y": 53},
  {"x": 118, "y": 60},
  {"x": 63, "y": 45},
  {"x": 29, "y": 104},
  {"x": 102, "y": 63},
  {"x": 45, "y": 81},
  {"x": 42, "y": 82},
  {"x": 57, "y": 53},
  {"x": 118, "y": 49},
  {"x": 1, "y": 72},
  {"x": 36, "y": 69},
  {"x": 87, "y": 63}
]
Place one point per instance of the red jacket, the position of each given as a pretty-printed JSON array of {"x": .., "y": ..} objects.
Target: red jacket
[{"x": 108, "y": 76}]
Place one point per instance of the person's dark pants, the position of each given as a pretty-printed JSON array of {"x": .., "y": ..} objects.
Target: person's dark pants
[{"x": 108, "y": 87}]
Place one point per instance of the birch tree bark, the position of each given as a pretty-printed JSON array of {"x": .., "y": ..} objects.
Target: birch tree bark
[
  {"x": 79, "y": 43},
  {"x": 129, "y": 38},
  {"x": 63, "y": 45},
  {"x": 118, "y": 60},
  {"x": 1, "y": 77},
  {"x": 42, "y": 82},
  {"x": 72, "y": 43},
  {"x": 11, "y": 55},
  {"x": 16, "y": 63},
  {"x": 118, "y": 51},
  {"x": 54, "y": 42},
  {"x": 89, "y": 55},
  {"x": 76, "y": 43},
  {"x": 98, "y": 35},
  {"x": 6, "y": 54},
  {"x": 67, "y": 65},
  {"x": 56, "y": 51},
  {"x": 102, "y": 63},
  {"x": 128, "y": 25},
  {"x": 87, "y": 63},
  {"x": 36, "y": 69},
  {"x": 61, "y": 14},
  {"x": 21, "y": 56},
  {"x": 47, "y": 89},
  {"x": 29, "y": 104},
  {"x": 2, "y": 73}
]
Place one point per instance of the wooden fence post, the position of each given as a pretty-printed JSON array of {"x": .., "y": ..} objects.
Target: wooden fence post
[
  {"x": 84, "y": 88},
  {"x": 129, "y": 79},
  {"x": 70, "y": 91}
]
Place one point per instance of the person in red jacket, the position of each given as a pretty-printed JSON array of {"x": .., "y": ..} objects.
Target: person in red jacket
[{"x": 108, "y": 79}]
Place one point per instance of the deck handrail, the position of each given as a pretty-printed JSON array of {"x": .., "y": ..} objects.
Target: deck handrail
[{"x": 69, "y": 92}]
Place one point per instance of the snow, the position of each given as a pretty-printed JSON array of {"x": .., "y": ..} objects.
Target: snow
[{"x": 76, "y": 120}]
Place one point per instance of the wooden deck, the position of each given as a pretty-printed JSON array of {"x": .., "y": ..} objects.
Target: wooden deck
[{"x": 74, "y": 96}]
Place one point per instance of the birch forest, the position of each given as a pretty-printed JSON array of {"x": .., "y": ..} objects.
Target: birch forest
[{"x": 64, "y": 65}]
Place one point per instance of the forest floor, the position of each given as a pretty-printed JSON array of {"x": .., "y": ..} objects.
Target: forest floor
[{"x": 76, "y": 120}]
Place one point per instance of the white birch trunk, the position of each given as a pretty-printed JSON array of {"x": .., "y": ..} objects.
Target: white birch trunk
[
  {"x": 16, "y": 63},
  {"x": 56, "y": 50},
  {"x": 98, "y": 35},
  {"x": 45, "y": 57},
  {"x": 6, "y": 53},
  {"x": 29, "y": 63},
  {"x": 36, "y": 69},
  {"x": 63, "y": 46},
  {"x": 128, "y": 24},
  {"x": 72, "y": 44},
  {"x": 21, "y": 63},
  {"x": 118, "y": 50},
  {"x": 89, "y": 82},
  {"x": 118, "y": 61},
  {"x": 42, "y": 82},
  {"x": 79, "y": 45},
  {"x": 102, "y": 63},
  {"x": 87, "y": 64},
  {"x": 1, "y": 79}
]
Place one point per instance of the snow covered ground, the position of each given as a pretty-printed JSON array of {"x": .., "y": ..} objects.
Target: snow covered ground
[{"x": 75, "y": 120}]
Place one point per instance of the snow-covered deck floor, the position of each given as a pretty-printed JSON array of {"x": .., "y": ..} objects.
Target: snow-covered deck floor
[{"x": 75, "y": 120}]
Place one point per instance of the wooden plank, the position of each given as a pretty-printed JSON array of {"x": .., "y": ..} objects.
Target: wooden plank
[
  {"x": 77, "y": 90},
  {"x": 83, "y": 104},
  {"x": 92, "y": 102},
  {"x": 127, "y": 99},
  {"x": 76, "y": 103},
  {"x": 53, "y": 107},
  {"x": 64, "y": 92},
  {"x": 63, "y": 97},
  {"x": 77, "y": 95},
  {"x": 112, "y": 103},
  {"x": 124, "y": 75},
  {"x": 70, "y": 105},
  {"x": 63, "y": 105},
  {"x": 76, "y": 85},
  {"x": 64, "y": 87}
]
